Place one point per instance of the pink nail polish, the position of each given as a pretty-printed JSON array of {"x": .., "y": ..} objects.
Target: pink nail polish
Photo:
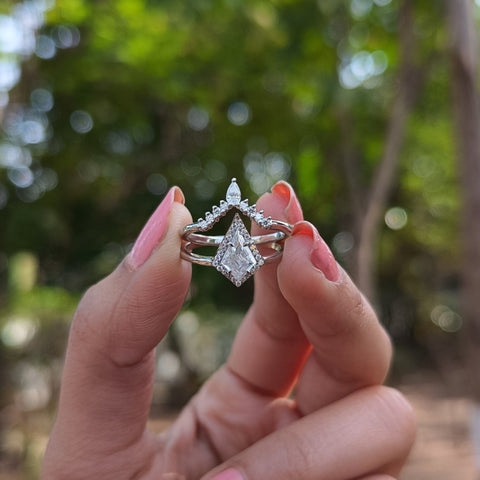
[
  {"x": 229, "y": 474},
  {"x": 293, "y": 210},
  {"x": 321, "y": 256},
  {"x": 153, "y": 231}
]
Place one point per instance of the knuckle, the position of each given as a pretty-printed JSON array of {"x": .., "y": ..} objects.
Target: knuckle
[
  {"x": 83, "y": 325},
  {"x": 92, "y": 316},
  {"x": 396, "y": 416},
  {"x": 351, "y": 312},
  {"x": 299, "y": 454},
  {"x": 359, "y": 309},
  {"x": 378, "y": 477}
]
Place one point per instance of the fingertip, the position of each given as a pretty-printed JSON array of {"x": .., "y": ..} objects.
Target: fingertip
[
  {"x": 283, "y": 189},
  {"x": 293, "y": 209},
  {"x": 154, "y": 230},
  {"x": 281, "y": 203},
  {"x": 178, "y": 195},
  {"x": 320, "y": 255}
]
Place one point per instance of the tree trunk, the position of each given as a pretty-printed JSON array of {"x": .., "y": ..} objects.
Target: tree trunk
[
  {"x": 382, "y": 185},
  {"x": 466, "y": 107}
]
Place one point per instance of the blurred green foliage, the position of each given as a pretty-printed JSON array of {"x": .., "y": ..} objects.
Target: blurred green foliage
[{"x": 147, "y": 94}]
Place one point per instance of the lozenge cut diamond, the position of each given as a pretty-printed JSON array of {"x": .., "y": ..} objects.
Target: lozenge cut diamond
[{"x": 237, "y": 257}]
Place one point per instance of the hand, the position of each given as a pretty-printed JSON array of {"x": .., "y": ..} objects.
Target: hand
[{"x": 308, "y": 328}]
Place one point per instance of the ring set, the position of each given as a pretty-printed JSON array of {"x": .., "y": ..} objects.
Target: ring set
[{"x": 238, "y": 256}]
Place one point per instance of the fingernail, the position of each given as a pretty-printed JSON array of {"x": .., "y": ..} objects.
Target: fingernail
[
  {"x": 293, "y": 210},
  {"x": 229, "y": 474},
  {"x": 321, "y": 256},
  {"x": 153, "y": 231}
]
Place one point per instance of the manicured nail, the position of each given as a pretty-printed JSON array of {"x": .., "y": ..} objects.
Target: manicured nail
[
  {"x": 229, "y": 474},
  {"x": 321, "y": 257},
  {"x": 153, "y": 231},
  {"x": 293, "y": 210}
]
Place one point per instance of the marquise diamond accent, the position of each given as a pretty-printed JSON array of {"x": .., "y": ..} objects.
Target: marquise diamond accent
[{"x": 237, "y": 256}]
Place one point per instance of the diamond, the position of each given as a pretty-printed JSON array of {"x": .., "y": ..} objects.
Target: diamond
[
  {"x": 252, "y": 210},
  {"x": 258, "y": 217},
  {"x": 237, "y": 257},
  {"x": 243, "y": 205},
  {"x": 234, "y": 195}
]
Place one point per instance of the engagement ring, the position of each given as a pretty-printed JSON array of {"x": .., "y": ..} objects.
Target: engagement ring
[{"x": 238, "y": 256}]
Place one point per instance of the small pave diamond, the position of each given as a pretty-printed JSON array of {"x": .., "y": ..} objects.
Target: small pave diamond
[{"x": 237, "y": 257}]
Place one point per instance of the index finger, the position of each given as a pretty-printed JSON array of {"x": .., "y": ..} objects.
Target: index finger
[
  {"x": 351, "y": 349},
  {"x": 270, "y": 346}
]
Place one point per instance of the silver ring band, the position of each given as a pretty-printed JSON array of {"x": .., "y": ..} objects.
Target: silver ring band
[
  {"x": 215, "y": 240},
  {"x": 207, "y": 260}
]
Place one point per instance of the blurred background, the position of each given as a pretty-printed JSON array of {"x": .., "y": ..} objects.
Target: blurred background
[{"x": 368, "y": 107}]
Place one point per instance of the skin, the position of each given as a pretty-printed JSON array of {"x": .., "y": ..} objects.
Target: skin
[{"x": 302, "y": 333}]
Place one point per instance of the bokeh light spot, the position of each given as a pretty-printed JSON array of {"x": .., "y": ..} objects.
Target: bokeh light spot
[
  {"x": 204, "y": 189},
  {"x": 396, "y": 218},
  {"x": 343, "y": 242},
  {"x": 198, "y": 118},
  {"x": 363, "y": 68},
  {"x": 157, "y": 184},
  {"x": 45, "y": 47},
  {"x": 10, "y": 35},
  {"x": 191, "y": 166},
  {"x": 119, "y": 142},
  {"x": 33, "y": 132},
  {"x": 18, "y": 332},
  {"x": 360, "y": 8},
  {"x": 168, "y": 365},
  {"x": 21, "y": 177},
  {"x": 187, "y": 322},
  {"x": 14, "y": 156},
  {"x": 9, "y": 74},
  {"x": 263, "y": 171},
  {"x": 215, "y": 170},
  {"x": 41, "y": 99},
  {"x": 30, "y": 194},
  {"x": 239, "y": 113},
  {"x": 81, "y": 121},
  {"x": 66, "y": 36},
  {"x": 424, "y": 166},
  {"x": 46, "y": 179},
  {"x": 34, "y": 392},
  {"x": 445, "y": 318}
]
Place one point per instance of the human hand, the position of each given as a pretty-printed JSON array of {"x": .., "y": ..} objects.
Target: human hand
[{"x": 308, "y": 327}]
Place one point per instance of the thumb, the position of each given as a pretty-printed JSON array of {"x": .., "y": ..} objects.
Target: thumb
[
  {"x": 107, "y": 379},
  {"x": 131, "y": 309}
]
